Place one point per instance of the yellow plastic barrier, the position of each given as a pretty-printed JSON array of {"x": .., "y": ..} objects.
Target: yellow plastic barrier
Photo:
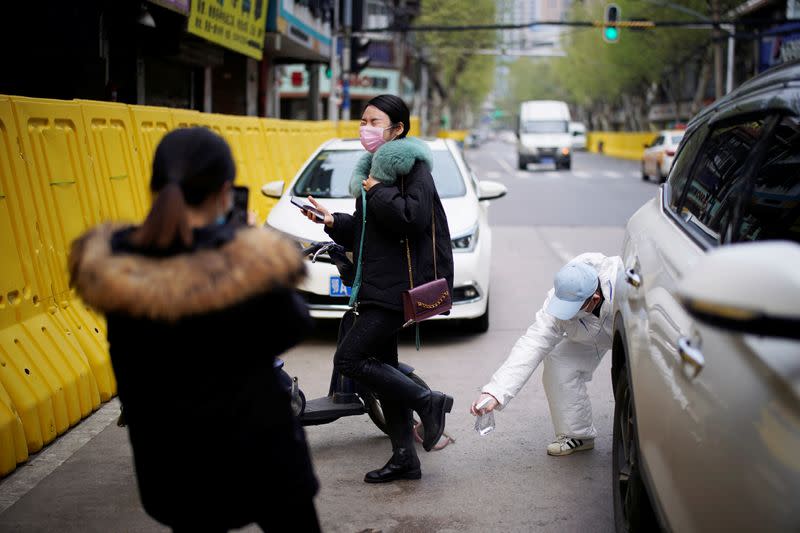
[
  {"x": 625, "y": 145},
  {"x": 66, "y": 166},
  {"x": 457, "y": 135},
  {"x": 44, "y": 373}
]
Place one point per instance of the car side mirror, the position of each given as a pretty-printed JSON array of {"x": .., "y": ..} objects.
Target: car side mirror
[
  {"x": 273, "y": 189},
  {"x": 746, "y": 288},
  {"x": 491, "y": 190}
]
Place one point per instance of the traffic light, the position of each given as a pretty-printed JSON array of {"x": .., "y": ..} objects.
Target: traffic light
[
  {"x": 610, "y": 20},
  {"x": 359, "y": 59}
]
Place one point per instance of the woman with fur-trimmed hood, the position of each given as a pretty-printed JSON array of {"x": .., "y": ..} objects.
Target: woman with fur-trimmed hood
[
  {"x": 197, "y": 309},
  {"x": 403, "y": 213}
]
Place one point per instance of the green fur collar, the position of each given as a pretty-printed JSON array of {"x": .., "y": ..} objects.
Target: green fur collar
[{"x": 390, "y": 161}]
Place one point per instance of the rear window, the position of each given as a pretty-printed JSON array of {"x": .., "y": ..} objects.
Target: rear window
[
  {"x": 545, "y": 126},
  {"x": 676, "y": 139},
  {"x": 328, "y": 175}
]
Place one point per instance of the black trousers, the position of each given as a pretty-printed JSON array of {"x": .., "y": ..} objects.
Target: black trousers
[{"x": 367, "y": 353}]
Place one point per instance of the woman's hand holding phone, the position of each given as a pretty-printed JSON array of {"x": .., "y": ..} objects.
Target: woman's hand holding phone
[{"x": 315, "y": 212}]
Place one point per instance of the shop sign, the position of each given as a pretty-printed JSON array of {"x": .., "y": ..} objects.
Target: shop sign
[
  {"x": 370, "y": 82},
  {"x": 238, "y": 25}
]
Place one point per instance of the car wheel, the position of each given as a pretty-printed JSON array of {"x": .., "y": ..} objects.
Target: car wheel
[
  {"x": 644, "y": 174},
  {"x": 480, "y": 324},
  {"x": 373, "y": 404},
  {"x": 522, "y": 164},
  {"x": 632, "y": 509},
  {"x": 661, "y": 177}
]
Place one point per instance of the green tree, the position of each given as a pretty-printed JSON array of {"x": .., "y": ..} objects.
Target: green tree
[{"x": 463, "y": 79}]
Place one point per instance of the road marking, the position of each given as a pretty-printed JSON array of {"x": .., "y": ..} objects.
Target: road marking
[
  {"x": 582, "y": 174},
  {"x": 612, "y": 174},
  {"x": 552, "y": 175},
  {"x": 503, "y": 163},
  {"x": 28, "y": 475},
  {"x": 493, "y": 175},
  {"x": 522, "y": 174}
]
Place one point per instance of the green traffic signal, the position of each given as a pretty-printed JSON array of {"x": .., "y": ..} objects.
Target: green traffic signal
[{"x": 611, "y": 33}]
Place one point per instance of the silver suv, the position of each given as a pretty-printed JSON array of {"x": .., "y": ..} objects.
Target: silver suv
[{"x": 706, "y": 353}]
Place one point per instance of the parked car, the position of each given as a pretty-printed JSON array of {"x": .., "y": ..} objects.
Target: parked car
[
  {"x": 577, "y": 131},
  {"x": 706, "y": 351},
  {"x": 326, "y": 176},
  {"x": 658, "y": 155}
]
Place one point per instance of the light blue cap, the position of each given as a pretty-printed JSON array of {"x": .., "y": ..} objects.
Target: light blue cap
[{"x": 574, "y": 283}]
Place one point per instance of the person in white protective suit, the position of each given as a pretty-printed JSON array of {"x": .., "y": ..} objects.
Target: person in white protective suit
[{"x": 571, "y": 334}]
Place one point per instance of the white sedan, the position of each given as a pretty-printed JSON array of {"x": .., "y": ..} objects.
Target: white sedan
[
  {"x": 658, "y": 156},
  {"x": 326, "y": 175}
]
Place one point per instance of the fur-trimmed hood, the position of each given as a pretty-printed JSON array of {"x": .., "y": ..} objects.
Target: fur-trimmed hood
[
  {"x": 169, "y": 288},
  {"x": 390, "y": 161}
]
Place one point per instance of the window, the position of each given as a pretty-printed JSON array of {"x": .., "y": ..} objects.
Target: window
[
  {"x": 545, "y": 126},
  {"x": 676, "y": 139},
  {"x": 716, "y": 178},
  {"x": 772, "y": 210},
  {"x": 679, "y": 175},
  {"x": 659, "y": 141},
  {"x": 328, "y": 175}
]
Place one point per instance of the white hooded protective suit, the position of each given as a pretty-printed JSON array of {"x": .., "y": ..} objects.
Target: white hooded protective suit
[{"x": 570, "y": 349}]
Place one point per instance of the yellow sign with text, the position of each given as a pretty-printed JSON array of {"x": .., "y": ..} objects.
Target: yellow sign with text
[{"x": 235, "y": 24}]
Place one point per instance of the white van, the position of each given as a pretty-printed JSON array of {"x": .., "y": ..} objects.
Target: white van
[
  {"x": 577, "y": 131},
  {"x": 543, "y": 134}
]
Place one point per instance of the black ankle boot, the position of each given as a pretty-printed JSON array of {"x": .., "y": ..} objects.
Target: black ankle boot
[
  {"x": 403, "y": 465},
  {"x": 432, "y": 418}
]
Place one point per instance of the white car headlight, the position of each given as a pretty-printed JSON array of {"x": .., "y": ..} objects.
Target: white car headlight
[{"x": 465, "y": 242}]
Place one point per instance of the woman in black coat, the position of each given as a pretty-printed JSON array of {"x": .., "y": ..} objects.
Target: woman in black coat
[
  {"x": 403, "y": 208},
  {"x": 197, "y": 309}
]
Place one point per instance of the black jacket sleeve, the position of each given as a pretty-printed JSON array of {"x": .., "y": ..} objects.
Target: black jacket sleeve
[
  {"x": 404, "y": 214},
  {"x": 290, "y": 320},
  {"x": 343, "y": 230}
]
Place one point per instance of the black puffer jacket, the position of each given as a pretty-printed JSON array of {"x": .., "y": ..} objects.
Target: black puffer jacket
[
  {"x": 193, "y": 336},
  {"x": 395, "y": 212}
]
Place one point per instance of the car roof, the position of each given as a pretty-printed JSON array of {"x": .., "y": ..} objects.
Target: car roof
[
  {"x": 775, "y": 89},
  {"x": 355, "y": 144}
]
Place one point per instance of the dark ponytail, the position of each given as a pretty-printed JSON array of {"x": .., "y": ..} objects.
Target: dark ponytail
[
  {"x": 190, "y": 164},
  {"x": 166, "y": 222}
]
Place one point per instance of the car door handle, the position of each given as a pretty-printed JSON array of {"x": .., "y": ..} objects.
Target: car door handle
[
  {"x": 691, "y": 356},
  {"x": 633, "y": 278}
]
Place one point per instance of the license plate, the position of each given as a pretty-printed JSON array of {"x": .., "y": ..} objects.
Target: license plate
[
  {"x": 338, "y": 288},
  {"x": 546, "y": 160}
]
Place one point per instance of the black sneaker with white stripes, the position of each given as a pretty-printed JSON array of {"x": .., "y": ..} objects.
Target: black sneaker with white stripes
[{"x": 564, "y": 445}]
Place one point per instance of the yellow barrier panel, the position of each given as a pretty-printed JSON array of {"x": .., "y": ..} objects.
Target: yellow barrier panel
[
  {"x": 625, "y": 145},
  {"x": 150, "y": 125},
  {"x": 113, "y": 145},
  {"x": 457, "y": 135},
  {"x": 348, "y": 129},
  {"x": 43, "y": 370},
  {"x": 13, "y": 448}
]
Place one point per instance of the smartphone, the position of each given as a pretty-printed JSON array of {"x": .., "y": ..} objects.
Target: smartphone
[
  {"x": 241, "y": 196},
  {"x": 308, "y": 208}
]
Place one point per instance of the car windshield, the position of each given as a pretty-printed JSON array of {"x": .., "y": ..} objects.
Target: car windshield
[
  {"x": 545, "y": 126},
  {"x": 328, "y": 175}
]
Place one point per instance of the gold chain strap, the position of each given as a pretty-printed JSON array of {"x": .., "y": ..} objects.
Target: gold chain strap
[{"x": 433, "y": 238}]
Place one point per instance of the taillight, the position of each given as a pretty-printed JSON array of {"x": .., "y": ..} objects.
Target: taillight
[{"x": 670, "y": 152}]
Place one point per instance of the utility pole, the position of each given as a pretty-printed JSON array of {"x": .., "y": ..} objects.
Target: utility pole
[
  {"x": 348, "y": 28},
  {"x": 718, "y": 91},
  {"x": 333, "y": 114}
]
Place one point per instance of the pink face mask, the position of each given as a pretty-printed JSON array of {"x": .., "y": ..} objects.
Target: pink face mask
[{"x": 372, "y": 137}]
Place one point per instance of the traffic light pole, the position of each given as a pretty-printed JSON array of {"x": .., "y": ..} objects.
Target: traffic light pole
[{"x": 348, "y": 30}]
